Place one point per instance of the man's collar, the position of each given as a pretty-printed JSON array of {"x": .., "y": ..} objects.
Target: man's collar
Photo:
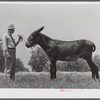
[{"x": 9, "y": 34}]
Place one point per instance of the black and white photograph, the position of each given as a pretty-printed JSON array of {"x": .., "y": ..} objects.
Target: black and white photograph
[{"x": 52, "y": 46}]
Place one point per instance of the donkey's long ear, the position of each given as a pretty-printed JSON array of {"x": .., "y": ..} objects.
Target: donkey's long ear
[{"x": 40, "y": 29}]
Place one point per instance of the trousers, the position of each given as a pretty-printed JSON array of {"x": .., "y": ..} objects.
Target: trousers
[{"x": 10, "y": 63}]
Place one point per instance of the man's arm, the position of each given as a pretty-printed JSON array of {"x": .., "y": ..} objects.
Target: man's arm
[
  {"x": 19, "y": 39},
  {"x": 5, "y": 45}
]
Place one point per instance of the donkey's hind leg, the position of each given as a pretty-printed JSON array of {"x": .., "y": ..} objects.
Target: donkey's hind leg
[{"x": 93, "y": 67}]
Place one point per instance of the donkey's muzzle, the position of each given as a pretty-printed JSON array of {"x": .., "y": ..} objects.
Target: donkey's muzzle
[{"x": 27, "y": 44}]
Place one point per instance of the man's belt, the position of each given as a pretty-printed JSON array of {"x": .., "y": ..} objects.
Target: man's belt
[{"x": 11, "y": 48}]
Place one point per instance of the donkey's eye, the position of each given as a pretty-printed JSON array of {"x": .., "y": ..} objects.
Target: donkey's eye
[{"x": 31, "y": 38}]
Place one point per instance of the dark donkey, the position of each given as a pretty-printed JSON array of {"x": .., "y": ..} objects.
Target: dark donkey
[{"x": 64, "y": 50}]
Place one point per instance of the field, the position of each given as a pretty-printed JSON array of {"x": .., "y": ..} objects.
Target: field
[{"x": 68, "y": 80}]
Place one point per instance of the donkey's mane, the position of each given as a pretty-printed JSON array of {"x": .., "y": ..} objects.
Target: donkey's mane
[{"x": 45, "y": 36}]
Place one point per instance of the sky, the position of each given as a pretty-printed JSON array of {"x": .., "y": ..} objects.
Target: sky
[{"x": 63, "y": 21}]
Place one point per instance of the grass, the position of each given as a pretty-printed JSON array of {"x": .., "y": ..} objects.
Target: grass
[{"x": 69, "y": 80}]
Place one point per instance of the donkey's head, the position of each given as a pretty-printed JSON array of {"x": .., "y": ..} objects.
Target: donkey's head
[{"x": 34, "y": 38}]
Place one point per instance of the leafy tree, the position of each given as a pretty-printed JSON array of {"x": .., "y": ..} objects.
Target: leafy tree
[
  {"x": 71, "y": 65},
  {"x": 1, "y": 58},
  {"x": 62, "y": 66},
  {"x": 78, "y": 65},
  {"x": 81, "y": 65},
  {"x": 96, "y": 60},
  {"x": 46, "y": 67},
  {"x": 38, "y": 59},
  {"x": 20, "y": 66}
]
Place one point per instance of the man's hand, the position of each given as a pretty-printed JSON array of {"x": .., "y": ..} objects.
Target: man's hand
[
  {"x": 20, "y": 38},
  {"x": 7, "y": 54}
]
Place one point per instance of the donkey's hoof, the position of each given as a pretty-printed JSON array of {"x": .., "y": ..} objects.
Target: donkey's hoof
[{"x": 53, "y": 78}]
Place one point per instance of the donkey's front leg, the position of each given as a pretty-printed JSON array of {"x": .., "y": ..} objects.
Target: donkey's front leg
[{"x": 53, "y": 69}]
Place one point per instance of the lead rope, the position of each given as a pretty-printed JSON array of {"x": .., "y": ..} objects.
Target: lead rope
[
  {"x": 13, "y": 40},
  {"x": 25, "y": 40}
]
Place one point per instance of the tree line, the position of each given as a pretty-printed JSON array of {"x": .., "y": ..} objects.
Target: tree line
[{"x": 39, "y": 62}]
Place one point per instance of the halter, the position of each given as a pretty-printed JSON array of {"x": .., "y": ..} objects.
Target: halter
[
  {"x": 37, "y": 40},
  {"x": 25, "y": 40}
]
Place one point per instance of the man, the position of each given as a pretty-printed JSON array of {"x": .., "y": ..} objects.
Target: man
[{"x": 9, "y": 49}]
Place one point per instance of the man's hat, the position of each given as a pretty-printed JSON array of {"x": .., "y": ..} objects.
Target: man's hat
[{"x": 11, "y": 26}]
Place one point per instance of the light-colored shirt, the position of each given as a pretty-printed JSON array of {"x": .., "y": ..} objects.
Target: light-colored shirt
[{"x": 7, "y": 42}]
